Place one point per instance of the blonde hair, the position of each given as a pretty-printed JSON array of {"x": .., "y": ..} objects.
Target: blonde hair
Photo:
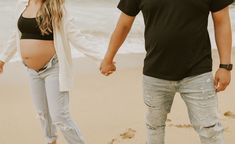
[{"x": 50, "y": 14}]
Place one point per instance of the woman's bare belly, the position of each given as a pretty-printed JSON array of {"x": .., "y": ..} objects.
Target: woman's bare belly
[{"x": 36, "y": 53}]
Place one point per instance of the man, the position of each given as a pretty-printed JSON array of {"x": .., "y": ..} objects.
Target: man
[{"x": 179, "y": 59}]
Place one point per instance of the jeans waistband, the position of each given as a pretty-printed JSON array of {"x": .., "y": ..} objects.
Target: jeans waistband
[{"x": 52, "y": 62}]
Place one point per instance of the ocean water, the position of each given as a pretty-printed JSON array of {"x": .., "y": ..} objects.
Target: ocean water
[{"x": 97, "y": 19}]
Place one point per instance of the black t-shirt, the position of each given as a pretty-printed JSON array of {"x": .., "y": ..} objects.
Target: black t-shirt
[{"x": 176, "y": 36}]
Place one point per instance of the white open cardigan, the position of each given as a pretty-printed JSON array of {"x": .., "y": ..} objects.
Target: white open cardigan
[{"x": 68, "y": 34}]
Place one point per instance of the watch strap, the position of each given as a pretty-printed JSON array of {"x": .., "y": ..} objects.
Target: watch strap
[{"x": 226, "y": 66}]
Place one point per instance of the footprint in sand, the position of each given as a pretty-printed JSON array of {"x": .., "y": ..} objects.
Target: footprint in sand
[
  {"x": 129, "y": 134},
  {"x": 184, "y": 126},
  {"x": 229, "y": 114},
  {"x": 226, "y": 129},
  {"x": 114, "y": 141},
  {"x": 168, "y": 120},
  {"x": 181, "y": 125}
]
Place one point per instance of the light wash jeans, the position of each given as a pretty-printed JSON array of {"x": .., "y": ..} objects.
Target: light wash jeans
[
  {"x": 198, "y": 93},
  {"x": 52, "y": 106}
]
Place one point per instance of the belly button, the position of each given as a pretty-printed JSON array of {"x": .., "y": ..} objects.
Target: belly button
[{"x": 26, "y": 58}]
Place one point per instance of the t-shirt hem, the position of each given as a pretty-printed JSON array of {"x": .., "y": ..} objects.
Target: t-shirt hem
[{"x": 171, "y": 78}]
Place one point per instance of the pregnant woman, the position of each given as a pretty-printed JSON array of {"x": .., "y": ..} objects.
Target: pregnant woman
[{"x": 43, "y": 33}]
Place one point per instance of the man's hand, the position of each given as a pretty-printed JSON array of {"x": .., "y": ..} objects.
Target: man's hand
[
  {"x": 222, "y": 79},
  {"x": 118, "y": 37},
  {"x": 1, "y": 66},
  {"x": 107, "y": 68}
]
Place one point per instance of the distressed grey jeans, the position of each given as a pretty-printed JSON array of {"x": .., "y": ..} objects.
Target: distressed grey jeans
[
  {"x": 52, "y": 106},
  {"x": 198, "y": 93}
]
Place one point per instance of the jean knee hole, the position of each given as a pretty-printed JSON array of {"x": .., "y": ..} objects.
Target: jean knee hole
[
  {"x": 211, "y": 131},
  {"x": 154, "y": 127}
]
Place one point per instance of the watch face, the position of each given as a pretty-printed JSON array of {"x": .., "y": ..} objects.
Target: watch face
[{"x": 230, "y": 67}]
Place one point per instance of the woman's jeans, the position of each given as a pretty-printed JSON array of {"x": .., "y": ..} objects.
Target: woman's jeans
[
  {"x": 198, "y": 93},
  {"x": 52, "y": 106}
]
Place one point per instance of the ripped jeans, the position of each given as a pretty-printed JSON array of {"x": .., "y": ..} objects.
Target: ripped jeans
[
  {"x": 198, "y": 93},
  {"x": 52, "y": 105}
]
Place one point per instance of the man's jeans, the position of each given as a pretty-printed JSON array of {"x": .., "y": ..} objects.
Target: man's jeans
[
  {"x": 52, "y": 105},
  {"x": 198, "y": 93}
]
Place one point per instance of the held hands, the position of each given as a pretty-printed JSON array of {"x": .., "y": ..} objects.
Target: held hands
[
  {"x": 107, "y": 67},
  {"x": 222, "y": 79},
  {"x": 1, "y": 66}
]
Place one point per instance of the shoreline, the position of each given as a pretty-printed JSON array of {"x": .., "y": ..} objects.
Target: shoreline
[{"x": 105, "y": 20}]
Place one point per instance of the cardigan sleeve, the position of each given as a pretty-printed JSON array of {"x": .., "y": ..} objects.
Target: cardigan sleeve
[
  {"x": 81, "y": 41},
  {"x": 10, "y": 49}
]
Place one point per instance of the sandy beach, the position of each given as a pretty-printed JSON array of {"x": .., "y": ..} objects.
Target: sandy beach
[
  {"x": 104, "y": 107},
  {"x": 108, "y": 110}
]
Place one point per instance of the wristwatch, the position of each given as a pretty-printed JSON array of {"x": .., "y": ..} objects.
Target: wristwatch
[{"x": 228, "y": 67}]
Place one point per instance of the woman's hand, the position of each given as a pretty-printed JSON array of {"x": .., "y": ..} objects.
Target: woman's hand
[
  {"x": 107, "y": 68},
  {"x": 1, "y": 66}
]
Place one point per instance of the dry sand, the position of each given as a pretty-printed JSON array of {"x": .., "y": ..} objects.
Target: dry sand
[{"x": 109, "y": 110}]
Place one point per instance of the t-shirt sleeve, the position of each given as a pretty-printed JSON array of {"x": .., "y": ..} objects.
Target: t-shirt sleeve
[
  {"x": 217, "y": 5},
  {"x": 129, "y": 7}
]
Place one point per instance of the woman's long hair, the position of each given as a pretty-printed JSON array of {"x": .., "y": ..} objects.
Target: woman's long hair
[{"x": 50, "y": 14}]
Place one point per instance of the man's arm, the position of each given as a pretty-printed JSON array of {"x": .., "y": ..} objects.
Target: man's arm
[
  {"x": 118, "y": 37},
  {"x": 223, "y": 37}
]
